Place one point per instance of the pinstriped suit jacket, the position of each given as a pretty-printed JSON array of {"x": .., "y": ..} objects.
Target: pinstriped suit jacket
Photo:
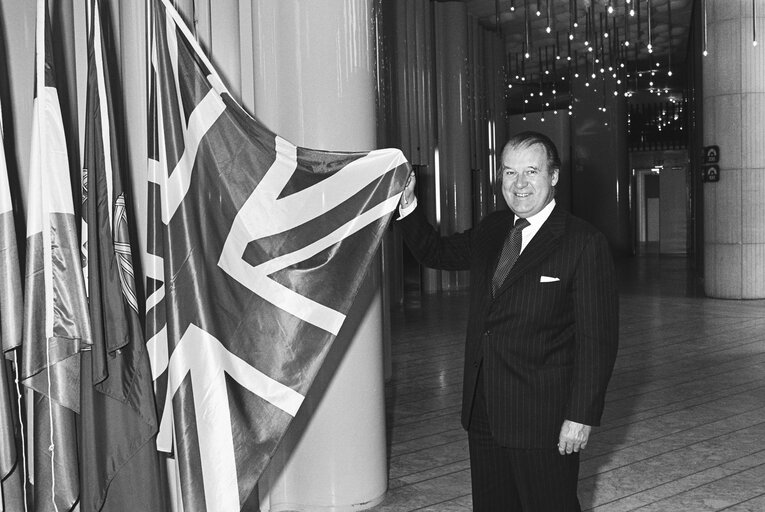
[{"x": 547, "y": 348}]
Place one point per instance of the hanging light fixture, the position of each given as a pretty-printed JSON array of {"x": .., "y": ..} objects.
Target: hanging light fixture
[
  {"x": 650, "y": 37},
  {"x": 754, "y": 22},
  {"x": 548, "y": 29},
  {"x": 704, "y": 10},
  {"x": 527, "y": 50},
  {"x": 669, "y": 58}
]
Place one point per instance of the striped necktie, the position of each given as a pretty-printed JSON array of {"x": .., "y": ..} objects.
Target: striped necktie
[{"x": 510, "y": 252}]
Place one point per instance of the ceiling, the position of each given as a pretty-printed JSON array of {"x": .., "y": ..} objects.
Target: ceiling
[{"x": 666, "y": 31}]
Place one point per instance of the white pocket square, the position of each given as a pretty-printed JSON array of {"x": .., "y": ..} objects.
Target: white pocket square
[{"x": 548, "y": 279}]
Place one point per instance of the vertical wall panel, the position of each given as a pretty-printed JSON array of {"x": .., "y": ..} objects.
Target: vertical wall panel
[
  {"x": 224, "y": 43},
  {"x": 734, "y": 92},
  {"x": 133, "y": 30},
  {"x": 246, "y": 56}
]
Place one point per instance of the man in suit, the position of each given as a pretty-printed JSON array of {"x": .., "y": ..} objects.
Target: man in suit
[{"x": 542, "y": 332}]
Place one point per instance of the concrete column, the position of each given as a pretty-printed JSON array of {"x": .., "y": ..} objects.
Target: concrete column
[
  {"x": 734, "y": 116},
  {"x": 600, "y": 178},
  {"x": 454, "y": 124},
  {"x": 315, "y": 86}
]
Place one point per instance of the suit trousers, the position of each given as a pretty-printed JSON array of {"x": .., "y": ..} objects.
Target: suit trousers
[{"x": 516, "y": 479}]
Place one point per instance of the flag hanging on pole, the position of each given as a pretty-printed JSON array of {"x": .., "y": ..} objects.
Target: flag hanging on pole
[
  {"x": 256, "y": 251},
  {"x": 119, "y": 461},
  {"x": 56, "y": 325},
  {"x": 11, "y": 303}
]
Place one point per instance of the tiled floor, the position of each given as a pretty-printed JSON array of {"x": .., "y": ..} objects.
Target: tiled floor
[{"x": 684, "y": 427}]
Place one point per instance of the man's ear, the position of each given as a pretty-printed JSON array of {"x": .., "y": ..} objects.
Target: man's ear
[{"x": 555, "y": 177}]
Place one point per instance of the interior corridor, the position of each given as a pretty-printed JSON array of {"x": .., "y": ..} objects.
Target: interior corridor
[{"x": 684, "y": 425}]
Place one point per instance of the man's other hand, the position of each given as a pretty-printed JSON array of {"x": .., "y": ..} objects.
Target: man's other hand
[{"x": 573, "y": 437}]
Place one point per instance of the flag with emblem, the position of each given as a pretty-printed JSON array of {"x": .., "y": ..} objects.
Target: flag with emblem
[
  {"x": 55, "y": 324},
  {"x": 257, "y": 248},
  {"x": 119, "y": 462},
  {"x": 11, "y": 303}
]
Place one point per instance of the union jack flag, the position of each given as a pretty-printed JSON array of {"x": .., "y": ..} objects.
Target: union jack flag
[{"x": 256, "y": 250}]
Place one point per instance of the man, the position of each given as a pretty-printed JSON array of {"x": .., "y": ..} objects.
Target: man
[{"x": 541, "y": 337}]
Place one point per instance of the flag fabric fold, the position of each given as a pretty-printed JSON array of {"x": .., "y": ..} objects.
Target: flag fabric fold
[
  {"x": 11, "y": 304},
  {"x": 55, "y": 319},
  {"x": 257, "y": 248},
  {"x": 119, "y": 463}
]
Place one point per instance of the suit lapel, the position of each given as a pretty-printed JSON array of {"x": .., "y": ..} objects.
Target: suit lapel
[{"x": 544, "y": 242}]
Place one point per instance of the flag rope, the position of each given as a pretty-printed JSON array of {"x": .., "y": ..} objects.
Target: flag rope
[
  {"x": 21, "y": 427},
  {"x": 41, "y": 93}
]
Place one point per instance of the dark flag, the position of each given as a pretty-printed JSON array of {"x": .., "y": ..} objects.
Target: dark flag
[
  {"x": 11, "y": 303},
  {"x": 257, "y": 249},
  {"x": 56, "y": 325},
  {"x": 119, "y": 464}
]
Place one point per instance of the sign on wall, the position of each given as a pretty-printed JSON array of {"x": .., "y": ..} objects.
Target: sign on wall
[{"x": 711, "y": 171}]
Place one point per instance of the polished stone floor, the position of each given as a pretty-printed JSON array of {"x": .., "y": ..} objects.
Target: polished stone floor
[{"x": 684, "y": 426}]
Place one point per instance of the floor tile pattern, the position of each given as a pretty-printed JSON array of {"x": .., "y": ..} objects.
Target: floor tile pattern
[{"x": 684, "y": 426}]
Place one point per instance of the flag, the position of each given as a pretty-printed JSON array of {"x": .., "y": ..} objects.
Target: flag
[
  {"x": 56, "y": 325},
  {"x": 119, "y": 463},
  {"x": 11, "y": 302},
  {"x": 256, "y": 251}
]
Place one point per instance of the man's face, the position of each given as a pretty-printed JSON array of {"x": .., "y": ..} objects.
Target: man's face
[{"x": 527, "y": 183}]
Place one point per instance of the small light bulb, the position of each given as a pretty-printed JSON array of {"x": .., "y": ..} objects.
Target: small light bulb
[
  {"x": 571, "y": 37},
  {"x": 548, "y": 30},
  {"x": 705, "y": 53},
  {"x": 632, "y": 12}
]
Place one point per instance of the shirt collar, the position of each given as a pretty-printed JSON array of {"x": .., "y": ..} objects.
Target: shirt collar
[{"x": 541, "y": 216}]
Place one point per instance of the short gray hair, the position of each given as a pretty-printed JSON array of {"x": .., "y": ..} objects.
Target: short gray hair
[{"x": 527, "y": 139}]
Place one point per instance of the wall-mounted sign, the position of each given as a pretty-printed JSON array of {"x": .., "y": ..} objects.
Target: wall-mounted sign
[
  {"x": 711, "y": 154},
  {"x": 711, "y": 173}
]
